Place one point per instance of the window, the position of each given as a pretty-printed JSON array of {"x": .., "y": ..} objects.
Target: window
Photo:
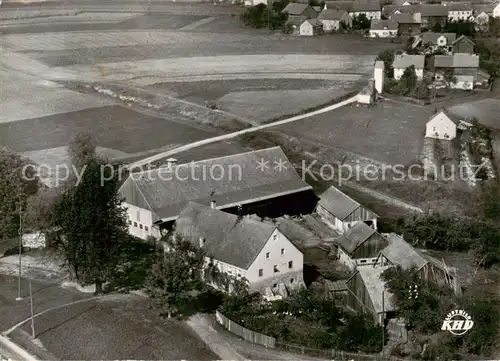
[
  {"x": 363, "y": 261},
  {"x": 282, "y": 251},
  {"x": 290, "y": 264},
  {"x": 275, "y": 269},
  {"x": 135, "y": 224},
  {"x": 261, "y": 272},
  {"x": 146, "y": 228},
  {"x": 292, "y": 280},
  {"x": 275, "y": 237},
  {"x": 140, "y": 226},
  {"x": 130, "y": 222},
  {"x": 267, "y": 255}
]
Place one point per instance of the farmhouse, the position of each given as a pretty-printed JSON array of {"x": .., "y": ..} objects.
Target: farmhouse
[
  {"x": 496, "y": 10},
  {"x": 442, "y": 125},
  {"x": 401, "y": 62},
  {"x": 359, "y": 246},
  {"x": 243, "y": 247},
  {"x": 433, "y": 14},
  {"x": 246, "y": 182},
  {"x": 368, "y": 294},
  {"x": 370, "y": 8},
  {"x": 401, "y": 253},
  {"x": 334, "y": 19},
  {"x": 300, "y": 12},
  {"x": 433, "y": 41},
  {"x": 341, "y": 212},
  {"x": 407, "y": 24},
  {"x": 311, "y": 27},
  {"x": 459, "y": 11},
  {"x": 463, "y": 45},
  {"x": 383, "y": 29},
  {"x": 463, "y": 67},
  {"x": 481, "y": 21}
]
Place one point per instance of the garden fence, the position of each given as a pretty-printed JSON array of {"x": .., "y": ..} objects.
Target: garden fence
[{"x": 244, "y": 333}]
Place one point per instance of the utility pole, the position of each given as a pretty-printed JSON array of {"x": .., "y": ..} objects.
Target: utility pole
[
  {"x": 19, "y": 298},
  {"x": 31, "y": 307},
  {"x": 383, "y": 317}
]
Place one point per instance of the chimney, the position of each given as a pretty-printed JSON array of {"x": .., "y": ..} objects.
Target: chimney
[{"x": 213, "y": 205}]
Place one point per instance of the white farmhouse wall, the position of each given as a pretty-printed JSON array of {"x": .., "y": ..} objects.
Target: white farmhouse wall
[
  {"x": 398, "y": 73},
  {"x": 375, "y": 15},
  {"x": 34, "y": 240},
  {"x": 440, "y": 126},
  {"x": 291, "y": 277},
  {"x": 306, "y": 29},
  {"x": 379, "y": 76},
  {"x": 459, "y": 15},
  {"x": 383, "y": 33},
  {"x": 330, "y": 25},
  {"x": 496, "y": 11},
  {"x": 140, "y": 217}
]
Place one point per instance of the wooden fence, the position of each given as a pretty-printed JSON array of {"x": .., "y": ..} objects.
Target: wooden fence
[{"x": 244, "y": 333}]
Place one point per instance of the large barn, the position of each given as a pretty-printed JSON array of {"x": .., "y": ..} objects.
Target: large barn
[{"x": 262, "y": 182}]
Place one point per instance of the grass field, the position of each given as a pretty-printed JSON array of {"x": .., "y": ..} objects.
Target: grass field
[{"x": 388, "y": 132}]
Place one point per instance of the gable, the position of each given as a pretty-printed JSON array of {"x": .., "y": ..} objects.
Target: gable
[{"x": 441, "y": 119}]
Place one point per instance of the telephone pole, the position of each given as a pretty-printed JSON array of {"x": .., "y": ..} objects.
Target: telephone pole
[
  {"x": 19, "y": 298},
  {"x": 31, "y": 307}
]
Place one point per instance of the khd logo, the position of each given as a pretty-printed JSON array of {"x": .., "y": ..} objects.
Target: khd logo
[{"x": 458, "y": 322}]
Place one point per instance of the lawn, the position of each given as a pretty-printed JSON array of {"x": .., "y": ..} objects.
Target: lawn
[{"x": 389, "y": 132}]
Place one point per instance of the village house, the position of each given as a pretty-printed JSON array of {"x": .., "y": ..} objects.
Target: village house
[
  {"x": 407, "y": 24},
  {"x": 155, "y": 198},
  {"x": 463, "y": 45},
  {"x": 370, "y": 8},
  {"x": 458, "y": 71},
  {"x": 496, "y": 10},
  {"x": 300, "y": 12},
  {"x": 368, "y": 293},
  {"x": 243, "y": 248},
  {"x": 389, "y": 10},
  {"x": 481, "y": 21},
  {"x": 335, "y": 20},
  {"x": 433, "y": 41},
  {"x": 401, "y": 62},
  {"x": 359, "y": 246},
  {"x": 433, "y": 14},
  {"x": 383, "y": 29},
  {"x": 444, "y": 125},
  {"x": 311, "y": 27},
  {"x": 341, "y": 212},
  {"x": 459, "y": 11}
]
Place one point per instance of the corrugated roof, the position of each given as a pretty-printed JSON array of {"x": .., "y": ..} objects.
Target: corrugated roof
[
  {"x": 236, "y": 180},
  {"x": 375, "y": 286},
  {"x": 436, "y": 10},
  {"x": 332, "y": 14},
  {"x": 295, "y": 8},
  {"x": 226, "y": 238},
  {"x": 400, "y": 252},
  {"x": 405, "y": 60},
  {"x": 355, "y": 237},
  {"x": 339, "y": 204},
  {"x": 383, "y": 25},
  {"x": 431, "y": 37}
]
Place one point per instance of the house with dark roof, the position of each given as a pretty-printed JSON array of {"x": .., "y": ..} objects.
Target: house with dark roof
[
  {"x": 408, "y": 24},
  {"x": 433, "y": 14},
  {"x": 341, "y": 212},
  {"x": 459, "y": 11},
  {"x": 462, "y": 68},
  {"x": 335, "y": 19},
  {"x": 444, "y": 125},
  {"x": 369, "y": 294},
  {"x": 463, "y": 45},
  {"x": 370, "y": 8},
  {"x": 433, "y": 41},
  {"x": 401, "y": 62},
  {"x": 242, "y": 247},
  {"x": 389, "y": 10},
  {"x": 300, "y": 12},
  {"x": 246, "y": 183},
  {"x": 383, "y": 29},
  {"x": 359, "y": 246}
]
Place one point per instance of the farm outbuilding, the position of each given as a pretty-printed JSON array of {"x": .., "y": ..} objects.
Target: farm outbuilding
[
  {"x": 341, "y": 212},
  {"x": 359, "y": 246}
]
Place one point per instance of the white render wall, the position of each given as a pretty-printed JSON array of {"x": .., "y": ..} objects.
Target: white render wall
[
  {"x": 398, "y": 73},
  {"x": 376, "y": 15},
  {"x": 292, "y": 276},
  {"x": 330, "y": 25},
  {"x": 459, "y": 15},
  {"x": 383, "y": 33},
  {"x": 439, "y": 126},
  {"x": 306, "y": 29},
  {"x": 139, "y": 216},
  {"x": 496, "y": 11}
]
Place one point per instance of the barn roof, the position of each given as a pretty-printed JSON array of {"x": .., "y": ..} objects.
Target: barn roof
[
  {"x": 456, "y": 60},
  {"x": 340, "y": 5},
  {"x": 400, "y": 252},
  {"x": 433, "y": 10},
  {"x": 332, "y": 14},
  {"x": 339, "y": 204},
  {"x": 227, "y": 238},
  {"x": 458, "y": 6},
  {"x": 403, "y": 18},
  {"x": 229, "y": 181},
  {"x": 376, "y": 288},
  {"x": 355, "y": 237},
  {"x": 366, "y": 5},
  {"x": 431, "y": 37},
  {"x": 404, "y": 61},
  {"x": 295, "y": 8},
  {"x": 383, "y": 25}
]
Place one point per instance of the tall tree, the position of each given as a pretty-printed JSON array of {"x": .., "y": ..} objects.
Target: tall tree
[
  {"x": 387, "y": 56},
  {"x": 82, "y": 147},
  {"x": 17, "y": 180},
  {"x": 93, "y": 222}
]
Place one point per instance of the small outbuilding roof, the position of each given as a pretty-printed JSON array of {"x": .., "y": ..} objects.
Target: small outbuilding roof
[
  {"x": 399, "y": 252},
  {"x": 405, "y": 60},
  {"x": 226, "y": 237},
  {"x": 336, "y": 202},
  {"x": 430, "y": 37},
  {"x": 355, "y": 237}
]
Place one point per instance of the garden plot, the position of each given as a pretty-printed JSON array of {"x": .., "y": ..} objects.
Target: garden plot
[{"x": 388, "y": 132}]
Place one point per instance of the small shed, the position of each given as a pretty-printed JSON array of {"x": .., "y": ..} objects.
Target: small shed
[
  {"x": 368, "y": 95},
  {"x": 341, "y": 212}
]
